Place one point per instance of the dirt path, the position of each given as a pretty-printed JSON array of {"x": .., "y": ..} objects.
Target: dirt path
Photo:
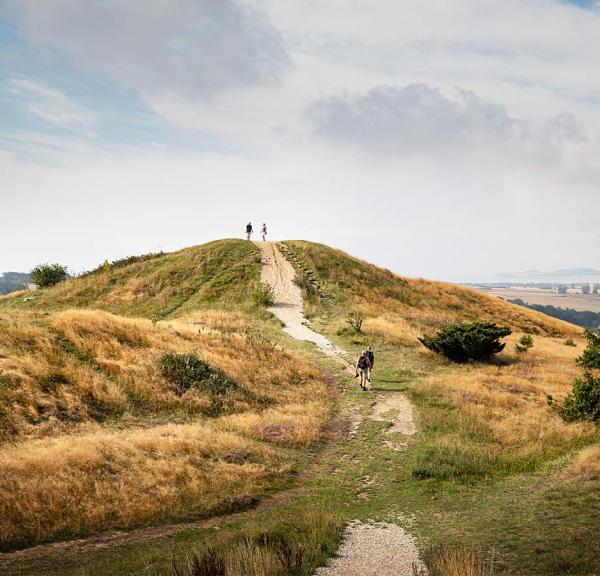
[
  {"x": 279, "y": 274},
  {"x": 375, "y": 548}
]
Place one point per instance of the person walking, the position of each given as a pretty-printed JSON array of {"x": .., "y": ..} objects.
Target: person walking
[
  {"x": 371, "y": 356},
  {"x": 263, "y": 231},
  {"x": 249, "y": 230},
  {"x": 363, "y": 366}
]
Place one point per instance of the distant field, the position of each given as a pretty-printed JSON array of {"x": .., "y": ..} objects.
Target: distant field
[{"x": 548, "y": 298}]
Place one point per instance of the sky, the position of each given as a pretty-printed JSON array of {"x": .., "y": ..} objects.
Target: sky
[{"x": 449, "y": 139}]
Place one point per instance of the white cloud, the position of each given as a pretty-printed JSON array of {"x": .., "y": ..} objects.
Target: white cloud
[
  {"x": 195, "y": 48},
  {"x": 419, "y": 119},
  {"x": 52, "y": 105}
]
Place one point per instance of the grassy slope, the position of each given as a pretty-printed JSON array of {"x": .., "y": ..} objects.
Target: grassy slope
[
  {"x": 93, "y": 437},
  {"x": 374, "y": 291},
  {"x": 492, "y": 467},
  {"x": 218, "y": 274}
]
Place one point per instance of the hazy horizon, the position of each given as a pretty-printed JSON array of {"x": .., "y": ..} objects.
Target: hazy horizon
[{"x": 444, "y": 140}]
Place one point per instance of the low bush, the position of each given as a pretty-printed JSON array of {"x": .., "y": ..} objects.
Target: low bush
[
  {"x": 570, "y": 342},
  {"x": 262, "y": 295},
  {"x": 355, "y": 320},
  {"x": 45, "y": 275},
  {"x": 470, "y": 341},
  {"x": 591, "y": 355},
  {"x": 187, "y": 371},
  {"x": 524, "y": 344},
  {"x": 583, "y": 402}
]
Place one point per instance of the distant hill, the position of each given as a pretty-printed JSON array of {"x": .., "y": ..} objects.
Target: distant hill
[{"x": 13, "y": 281}]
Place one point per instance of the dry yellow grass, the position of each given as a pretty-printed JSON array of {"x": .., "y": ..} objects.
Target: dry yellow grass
[
  {"x": 510, "y": 397},
  {"x": 68, "y": 378},
  {"x": 422, "y": 303},
  {"x": 82, "y": 365},
  {"x": 74, "y": 485},
  {"x": 586, "y": 465},
  {"x": 457, "y": 561}
]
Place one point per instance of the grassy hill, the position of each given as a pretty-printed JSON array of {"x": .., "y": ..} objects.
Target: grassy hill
[
  {"x": 385, "y": 297},
  {"x": 219, "y": 274},
  {"x": 105, "y": 425}
]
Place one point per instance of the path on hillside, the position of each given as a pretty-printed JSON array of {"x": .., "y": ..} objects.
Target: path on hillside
[
  {"x": 374, "y": 548},
  {"x": 279, "y": 274}
]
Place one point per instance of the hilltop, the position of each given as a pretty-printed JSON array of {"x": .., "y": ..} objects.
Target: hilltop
[{"x": 161, "y": 390}]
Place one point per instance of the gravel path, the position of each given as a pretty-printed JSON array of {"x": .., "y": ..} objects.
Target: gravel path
[
  {"x": 373, "y": 549},
  {"x": 377, "y": 549}
]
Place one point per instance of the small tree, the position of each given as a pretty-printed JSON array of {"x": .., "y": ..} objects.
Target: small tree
[
  {"x": 591, "y": 355},
  {"x": 463, "y": 342},
  {"x": 355, "y": 321},
  {"x": 49, "y": 274},
  {"x": 583, "y": 402},
  {"x": 562, "y": 289},
  {"x": 585, "y": 289},
  {"x": 524, "y": 344}
]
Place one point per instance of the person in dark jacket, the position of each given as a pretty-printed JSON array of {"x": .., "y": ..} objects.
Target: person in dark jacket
[
  {"x": 249, "y": 230},
  {"x": 363, "y": 367},
  {"x": 371, "y": 356}
]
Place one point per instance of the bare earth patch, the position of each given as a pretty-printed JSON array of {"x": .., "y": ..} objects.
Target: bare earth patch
[{"x": 394, "y": 408}]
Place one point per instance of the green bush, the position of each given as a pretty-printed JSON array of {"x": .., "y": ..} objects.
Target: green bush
[
  {"x": 570, "y": 342},
  {"x": 49, "y": 274},
  {"x": 470, "y": 341},
  {"x": 262, "y": 295},
  {"x": 583, "y": 402},
  {"x": 591, "y": 355},
  {"x": 524, "y": 344},
  {"x": 188, "y": 371}
]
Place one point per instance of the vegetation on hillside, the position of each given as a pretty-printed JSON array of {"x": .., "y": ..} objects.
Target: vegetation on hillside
[
  {"x": 408, "y": 302},
  {"x": 468, "y": 341},
  {"x": 591, "y": 355},
  {"x": 45, "y": 275},
  {"x": 218, "y": 274},
  {"x": 80, "y": 367},
  {"x": 491, "y": 468}
]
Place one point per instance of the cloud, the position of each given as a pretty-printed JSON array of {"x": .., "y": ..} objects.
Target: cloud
[
  {"x": 52, "y": 105},
  {"x": 194, "y": 48},
  {"x": 419, "y": 119}
]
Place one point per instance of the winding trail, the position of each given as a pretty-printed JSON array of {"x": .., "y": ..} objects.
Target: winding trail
[{"x": 368, "y": 549}]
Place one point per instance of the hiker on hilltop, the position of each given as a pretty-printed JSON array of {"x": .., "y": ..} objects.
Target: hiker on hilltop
[
  {"x": 249, "y": 230},
  {"x": 263, "y": 231},
  {"x": 363, "y": 367}
]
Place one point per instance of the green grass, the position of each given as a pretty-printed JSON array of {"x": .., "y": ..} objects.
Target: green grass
[{"x": 219, "y": 274}]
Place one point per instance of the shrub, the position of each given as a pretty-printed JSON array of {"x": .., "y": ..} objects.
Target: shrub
[
  {"x": 455, "y": 561},
  {"x": 355, "y": 321},
  {"x": 583, "y": 402},
  {"x": 262, "y": 295},
  {"x": 524, "y": 344},
  {"x": 570, "y": 342},
  {"x": 470, "y": 341},
  {"x": 187, "y": 371},
  {"x": 591, "y": 355},
  {"x": 49, "y": 274}
]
